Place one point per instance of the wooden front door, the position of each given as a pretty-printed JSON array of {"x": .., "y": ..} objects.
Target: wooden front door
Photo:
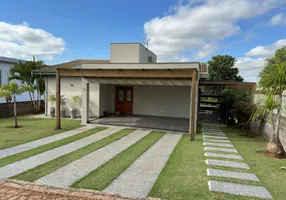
[{"x": 124, "y": 100}]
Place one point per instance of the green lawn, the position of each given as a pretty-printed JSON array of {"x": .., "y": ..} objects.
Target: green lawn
[
  {"x": 19, "y": 156},
  {"x": 104, "y": 175},
  {"x": 32, "y": 129},
  {"x": 184, "y": 176},
  {"x": 48, "y": 167}
]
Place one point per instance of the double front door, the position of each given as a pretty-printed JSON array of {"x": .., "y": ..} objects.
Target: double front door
[{"x": 124, "y": 100}]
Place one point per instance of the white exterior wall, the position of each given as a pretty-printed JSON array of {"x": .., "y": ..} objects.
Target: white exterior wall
[
  {"x": 68, "y": 91},
  {"x": 5, "y": 70},
  {"x": 167, "y": 101},
  {"x": 144, "y": 53},
  {"x": 124, "y": 53},
  {"x": 107, "y": 98},
  {"x": 129, "y": 53}
]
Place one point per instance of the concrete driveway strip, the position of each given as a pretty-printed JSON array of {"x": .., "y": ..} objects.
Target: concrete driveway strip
[
  {"x": 40, "y": 142},
  {"x": 138, "y": 178},
  {"x": 31, "y": 162},
  {"x": 74, "y": 171}
]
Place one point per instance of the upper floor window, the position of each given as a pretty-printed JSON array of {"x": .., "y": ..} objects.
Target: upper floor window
[{"x": 149, "y": 58}]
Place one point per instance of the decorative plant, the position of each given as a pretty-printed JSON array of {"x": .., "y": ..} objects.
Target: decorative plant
[
  {"x": 75, "y": 99},
  {"x": 12, "y": 90},
  {"x": 63, "y": 101},
  {"x": 52, "y": 99},
  {"x": 273, "y": 81}
]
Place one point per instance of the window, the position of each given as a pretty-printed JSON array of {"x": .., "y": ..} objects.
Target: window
[
  {"x": 120, "y": 95},
  {"x": 0, "y": 78},
  {"x": 129, "y": 96},
  {"x": 149, "y": 58}
]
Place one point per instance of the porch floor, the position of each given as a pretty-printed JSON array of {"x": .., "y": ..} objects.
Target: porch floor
[{"x": 162, "y": 123}]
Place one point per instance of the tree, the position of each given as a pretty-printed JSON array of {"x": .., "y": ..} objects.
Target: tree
[
  {"x": 13, "y": 89},
  {"x": 221, "y": 67},
  {"x": 273, "y": 80},
  {"x": 23, "y": 71}
]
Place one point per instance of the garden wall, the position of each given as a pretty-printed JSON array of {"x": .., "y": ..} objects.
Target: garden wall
[
  {"x": 7, "y": 109},
  {"x": 266, "y": 128}
]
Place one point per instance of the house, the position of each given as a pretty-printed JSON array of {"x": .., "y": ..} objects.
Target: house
[
  {"x": 131, "y": 83},
  {"x": 5, "y": 65}
]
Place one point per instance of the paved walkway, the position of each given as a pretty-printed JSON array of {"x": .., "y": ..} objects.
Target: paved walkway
[
  {"x": 72, "y": 172},
  {"x": 215, "y": 139},
  {"x": 138, "y": 179},
  {"x": 31, "y": 145},
  {"x": 31, "y": 162}
]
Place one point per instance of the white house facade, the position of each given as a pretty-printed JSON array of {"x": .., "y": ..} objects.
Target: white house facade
[{"x": 132, "y": 83}]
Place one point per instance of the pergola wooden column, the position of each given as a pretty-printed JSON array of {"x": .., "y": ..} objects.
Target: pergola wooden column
[{"x": 172, "y": 74}]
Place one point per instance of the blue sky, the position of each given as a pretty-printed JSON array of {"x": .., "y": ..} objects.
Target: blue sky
[{"x": 194, "y": 30}]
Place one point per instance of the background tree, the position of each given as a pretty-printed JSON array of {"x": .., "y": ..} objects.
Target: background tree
[
  {"x": 23, "y": 71},
  {"x": 13, "y": 89},
  {"x": 221, "y": 67},
  {"x": 273, "y": 80}
]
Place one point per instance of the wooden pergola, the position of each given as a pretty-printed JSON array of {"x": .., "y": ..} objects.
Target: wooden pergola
[{"x": 171, "y": 74}]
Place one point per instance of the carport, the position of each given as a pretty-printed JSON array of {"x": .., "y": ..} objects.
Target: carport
[{"x": 148, "y": 86}]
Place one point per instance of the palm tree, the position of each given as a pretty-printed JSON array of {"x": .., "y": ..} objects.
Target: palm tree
[
  {"x": 13, "y": 89},
  {"x": 23, "y": 71},
  {"x": 273, "y": 79}
]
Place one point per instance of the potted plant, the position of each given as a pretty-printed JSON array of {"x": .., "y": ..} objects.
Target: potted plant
[
  {"x": 52, "y": 100},
  {"x": 63, "y": 103},
  {"x": 74, "y": 101}
]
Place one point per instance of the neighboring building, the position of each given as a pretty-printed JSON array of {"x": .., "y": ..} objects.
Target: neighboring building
[
  {"x": 132, "y": 82},
  {"x": 5, "y": 65}
]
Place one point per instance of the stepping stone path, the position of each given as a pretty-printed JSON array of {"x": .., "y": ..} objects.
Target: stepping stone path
[
  {"x": 217, "y": 144},
  {"x": 139, "y": 177},
  {"x": 222, "y": 155},
  {"x": 77, "y": 169},
  {"x": 215, "y": 139},
  {"x": 40, "y": 142},
  {"x": 33, "y": 161}
]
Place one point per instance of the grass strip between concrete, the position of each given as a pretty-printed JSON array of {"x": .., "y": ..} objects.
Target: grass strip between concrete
[
  {"x": 105, "y": 174},
  {"x": 19, "y": 156},
  {"x": 48, "y": 167}
]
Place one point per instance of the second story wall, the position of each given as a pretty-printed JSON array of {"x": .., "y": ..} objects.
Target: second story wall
[{"x": 131, "y": 53}]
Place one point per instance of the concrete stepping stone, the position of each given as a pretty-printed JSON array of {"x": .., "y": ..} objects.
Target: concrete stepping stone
[
  {"x": 216, "y": 140},
  {"x": 214, "y": 137},
  {"x": 214, "y": 134},
  {"x": 222, "y": 155},
  {"x": 138, "y": 179},
  {"x": 217, "y": 144},
  {"x": 231, "y": 174},
  {"x": 74, "y": 171},
  {"x": 220, "y": 149},
  {"x": 40, "y": 142},
  {"x": 239, "y": 189},
  {"x": 223, "y": 163},
  {"x": 33, "y": 161}
]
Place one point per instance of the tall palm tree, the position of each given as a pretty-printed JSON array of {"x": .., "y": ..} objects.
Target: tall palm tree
[
  {"x": 273, "y": 79},
  {"x": 23, "y": 71}
]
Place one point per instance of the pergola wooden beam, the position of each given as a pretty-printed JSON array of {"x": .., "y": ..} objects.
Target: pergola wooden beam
[
  {"x": 192, "y": 120},
  {"x": 58, "y": 100},
  {"x": 130, "y": 73}
]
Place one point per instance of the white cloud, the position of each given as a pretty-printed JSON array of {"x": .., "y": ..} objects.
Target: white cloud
[
  {"x": 249, "y": 68},
  {"x": 278, "y": 20},
  {"x": 266, "y": 51},
  {"x": 192, "y": 27},
  {"x": 206, "y": 50},
  {"x": 21, "y": 41}
]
